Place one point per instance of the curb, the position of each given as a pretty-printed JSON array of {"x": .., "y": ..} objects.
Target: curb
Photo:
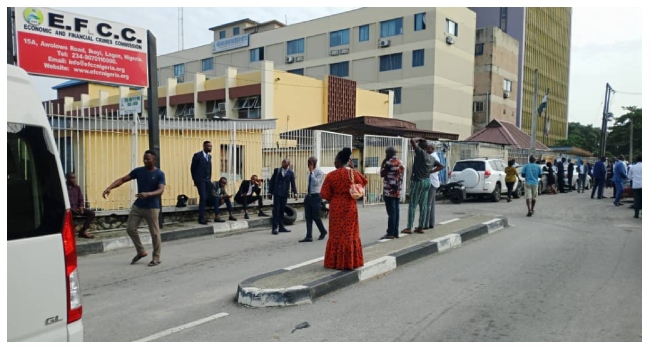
[
  {"x": 110, "y": 244},
  {"x": 251, "y": 296}
]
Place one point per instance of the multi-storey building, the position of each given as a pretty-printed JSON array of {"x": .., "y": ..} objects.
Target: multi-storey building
[
  {"x": 424, "y": 55},
  {"x": 495, "y": 77},
  {"x": 544, "y": 35}
]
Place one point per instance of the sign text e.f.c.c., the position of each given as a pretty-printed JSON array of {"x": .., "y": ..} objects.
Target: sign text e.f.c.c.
[{"x": 56, "y": 20}]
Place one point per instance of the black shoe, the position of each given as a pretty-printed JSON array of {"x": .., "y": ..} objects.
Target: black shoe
[
  {"x": 322, "y": 236},
  {"x": 262, "y": 214},
  {"x": 284, "y": 230},
  {"x": 306, "y": 240},
  {"x": 203, "y": 222},
  {"x": 219, "y": 220},
  {"x": 246, "y": 216},
  {"x": 388, "y": 237},
  {"x": 232, "y": 218},
  {"x": 274, "y": 232}
]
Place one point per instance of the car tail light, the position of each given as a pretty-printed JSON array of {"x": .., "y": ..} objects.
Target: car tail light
[
  {"x": 449, "y": 175},
  {"x": 72, "y": 275},
  {"x": 487, "y": 174}
]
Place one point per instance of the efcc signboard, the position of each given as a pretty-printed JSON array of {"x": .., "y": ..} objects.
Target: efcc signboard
[
  {"x": 65, "y": 45},
  {"x": 230, "y": 43}
]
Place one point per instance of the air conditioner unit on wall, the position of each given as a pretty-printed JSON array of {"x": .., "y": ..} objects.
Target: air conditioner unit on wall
[
  {"x": 450, "y": 40},
  {"x": 289, "y": 59},
  {"x": 334, "y": 52},
  {"x": 180, "y": 79},
  {"x": 344, "y": 51},
  {"x": 299, "y": 58},
  {"x": 384, "y": 43},
  {"x": 506, "y": 94}
]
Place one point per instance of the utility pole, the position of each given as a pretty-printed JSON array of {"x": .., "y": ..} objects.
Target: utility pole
[
  {"x": 533, "y": 127},
  {"x": 631, "y": 135},
  {"x": 10, "y": 36},
  {"x": 606, "y": 115}
]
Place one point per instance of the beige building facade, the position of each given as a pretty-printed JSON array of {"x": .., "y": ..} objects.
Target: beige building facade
[
  {"x": 424, "y": 55},
  {"x": 496, "y": 84}
]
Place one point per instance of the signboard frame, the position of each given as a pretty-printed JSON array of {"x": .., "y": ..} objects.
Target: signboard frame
[{"x": 232, "y": 43}]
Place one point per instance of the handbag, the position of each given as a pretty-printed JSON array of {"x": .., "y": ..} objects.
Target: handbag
[{"x": 356, "y": 190}]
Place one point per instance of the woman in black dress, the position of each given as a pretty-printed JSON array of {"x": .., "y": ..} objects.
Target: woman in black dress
[{"x": 550, "y": 178}]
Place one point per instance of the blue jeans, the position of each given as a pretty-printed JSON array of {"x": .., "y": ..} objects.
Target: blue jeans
[
  {"x": 619, "y": 191},
  {"x": 392, "y": 209}
]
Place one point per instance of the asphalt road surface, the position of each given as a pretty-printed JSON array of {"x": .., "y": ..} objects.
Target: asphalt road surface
[{"x": 572, "y": 272}]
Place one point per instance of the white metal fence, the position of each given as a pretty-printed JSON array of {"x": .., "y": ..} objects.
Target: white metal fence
[{"x": 101, "y": 146}]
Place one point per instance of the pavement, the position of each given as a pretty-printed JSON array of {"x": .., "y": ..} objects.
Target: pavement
[{"x": 302, "y": 283}]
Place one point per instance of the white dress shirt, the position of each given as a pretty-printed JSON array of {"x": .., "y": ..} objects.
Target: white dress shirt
[{"x": 635, "y": 175}]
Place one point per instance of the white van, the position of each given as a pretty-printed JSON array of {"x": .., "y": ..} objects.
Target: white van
[{"x": 43, "y": 294}]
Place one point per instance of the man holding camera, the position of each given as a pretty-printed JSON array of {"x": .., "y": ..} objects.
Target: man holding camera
[
  {"x": 392, "y": 171},
  {"x": 249, "y": 192}
]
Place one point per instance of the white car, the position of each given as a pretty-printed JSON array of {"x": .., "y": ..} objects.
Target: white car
[
  {"x": 484, "y": 177},
  {"x": 43, "y": 294}
]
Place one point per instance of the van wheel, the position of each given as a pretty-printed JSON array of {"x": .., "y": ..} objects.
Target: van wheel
[{"x": 496, "y": 195}]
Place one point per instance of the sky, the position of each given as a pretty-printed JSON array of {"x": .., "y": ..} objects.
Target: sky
[{"x": 606, "y": 46}]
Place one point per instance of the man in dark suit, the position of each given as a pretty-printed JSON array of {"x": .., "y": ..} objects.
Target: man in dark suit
[
  {"x": 599, "y": 175},
  {"x": 201, "y": 169},
  {"x": 250, "y": 192},
  {"x": 279, "y": 188},
  {"x": 570, "y": 169},
  {"x": 560, "y": 175}
]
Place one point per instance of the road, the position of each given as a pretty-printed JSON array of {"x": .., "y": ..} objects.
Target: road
[{"x": 572, "y": 272}]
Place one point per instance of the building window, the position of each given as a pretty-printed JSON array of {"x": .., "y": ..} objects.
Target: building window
[
  {"x": 478, "y": 106},
  {"x": 478, "y": 49},
  {"x": 364, "y": 33},
  {"x": 397, "y": 94},
  {"x": 179, "y": 70},
  {"x": 390, "y": 62},
  {"x": 162, "y": 112},
  {"x": 503, "y": 23},
  {"x": 300, "y": 71},
  {"x": 420, "y": 22},
  {"x": 341, "y": 69},
  {"x": 215, "y": 109},
  {"x": 257, "y": 54},
  {"x": 296, "y": 46},
  {"x": 391, "y": 27},
  {"x": 235, "y": 31},
  {"x": 340, "y": 37},
  {"x": 418, "y": 58},
  {"x": 222, "y": 34},
  {"x": 452, "y": 27},
  {"x": 232, "y": 163},
  {"x": 249, "y": 107},
  {"x": 507, "y": 85},
  {"x": 207, "y": 64},
  {"x": 185, "y": 110}
]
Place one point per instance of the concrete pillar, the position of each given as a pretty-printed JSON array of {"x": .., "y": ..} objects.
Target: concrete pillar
[
  {"x": 231, "y": 81},
  {"x": 68, "y": 103},
  {"x": 85, "y": 104},
  {"x": 171, "y": 90},
  {"x": 391, "y": 104},
  {"x": 268, "y": 86},
  {"x": 199, "y": 85}
]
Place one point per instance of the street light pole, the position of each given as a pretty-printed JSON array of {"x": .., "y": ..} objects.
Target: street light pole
[
  {"x": 631, "y": 134},
  {"x": 533, "y": 127},
  {"x": 603, "y": 130}
]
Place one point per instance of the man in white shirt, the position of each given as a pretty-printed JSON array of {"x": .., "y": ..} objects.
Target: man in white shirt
[
  {"x": 434, "y": 177},
  {"x": 635, "y": 176},
  {"x": 313, "y": 200}
]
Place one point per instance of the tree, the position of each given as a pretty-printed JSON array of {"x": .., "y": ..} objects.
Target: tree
[
  {"x": 586, "y": 137},
  {"x": 618, "y": 137}
]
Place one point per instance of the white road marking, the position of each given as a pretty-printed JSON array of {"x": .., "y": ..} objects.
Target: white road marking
[
  {"x": 304, "y": 264},
  {"x": 183, "y": 327},
  {"x": 449, "y": 221}
]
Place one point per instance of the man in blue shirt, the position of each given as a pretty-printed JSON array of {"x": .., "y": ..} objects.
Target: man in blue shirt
[
  {"x": 151, "y": 185},
  {"x": 620, "y": 175},
  {"x": 532, "y": 172}
]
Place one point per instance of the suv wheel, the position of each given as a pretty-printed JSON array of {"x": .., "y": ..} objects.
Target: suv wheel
[
  {"x": 496, "y": 195},
  {"x": 519, "y": 192}
]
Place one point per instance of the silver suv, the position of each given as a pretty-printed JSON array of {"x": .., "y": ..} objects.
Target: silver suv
[{"x": 484, "y": 177}]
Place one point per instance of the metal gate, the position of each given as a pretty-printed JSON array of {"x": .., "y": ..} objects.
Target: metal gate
[
  {"x": 328, "y": 145},
  {"x": 374, "y": 152}
]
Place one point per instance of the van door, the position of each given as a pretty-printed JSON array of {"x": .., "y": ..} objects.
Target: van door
[{"x": 36, "y": 275}]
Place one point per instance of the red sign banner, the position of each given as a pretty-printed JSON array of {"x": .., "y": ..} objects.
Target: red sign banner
[{"x": 62, "y": 45}]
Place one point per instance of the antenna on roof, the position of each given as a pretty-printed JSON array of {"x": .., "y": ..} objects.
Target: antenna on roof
[
  {"x": 181, "y": 43},
  {"x": 285, "y": 20}
]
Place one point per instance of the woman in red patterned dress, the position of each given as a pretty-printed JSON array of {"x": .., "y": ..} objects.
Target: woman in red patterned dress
[{"x": 343, "y": 250}]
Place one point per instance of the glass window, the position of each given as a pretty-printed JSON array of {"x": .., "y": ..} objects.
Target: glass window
[
  {"x": 222, "y": 34},
  {"x": 341, "y": 69},
  {"x": 295, "y": 46},
  {"x": 507, "y": 85},
  {"x": 300, "y": 71},
  {"x": 340, "y": 37},
  {"x": 478, "y": 49},
  {"x": 364, "y": 33},
  {"x": 390, "y": 62},
  {"x": 179, "y": 70},
  {"x": 36, "y": 203},
  {"x": 452, "y": 27},
  {"x": 478, "y": 106},
  {"x": 476, "y": 165},
  {"x": 420, "y": 22},
  {"x": 391, "y": 27},
  {"x": 397, "y": 94},
  {"x": 257, "y": 54},
  {"x": 235, "y": 31},
  {"x": 418, "y": 58},
  {"x": 207, "y": 64}
]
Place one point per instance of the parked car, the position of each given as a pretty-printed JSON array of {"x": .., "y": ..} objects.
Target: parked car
[
  {"x": 43, "y": 293},
  {"x": 574, "y": 184},
  {"x": 484, "y": 178},
  {"x": 542, "y": 186}
]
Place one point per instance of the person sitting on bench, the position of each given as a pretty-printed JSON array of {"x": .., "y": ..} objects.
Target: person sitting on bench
[
  {"x": 249, "y": 192},
  {"x": 77, "y": 204},
  {"x": 220, "y": 196}
]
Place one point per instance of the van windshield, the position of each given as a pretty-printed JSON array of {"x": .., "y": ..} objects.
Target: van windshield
[{"x": 35, "y": 202}]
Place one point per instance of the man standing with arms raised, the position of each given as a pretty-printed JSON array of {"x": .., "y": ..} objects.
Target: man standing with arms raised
[
  {"x": 201, "y": 169},
  {"x": 313, "y": 200},
  {"x": 151, "y": 185},
  {"x": 434, "y": 178},
  {"x": 419, "y": 186}
]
